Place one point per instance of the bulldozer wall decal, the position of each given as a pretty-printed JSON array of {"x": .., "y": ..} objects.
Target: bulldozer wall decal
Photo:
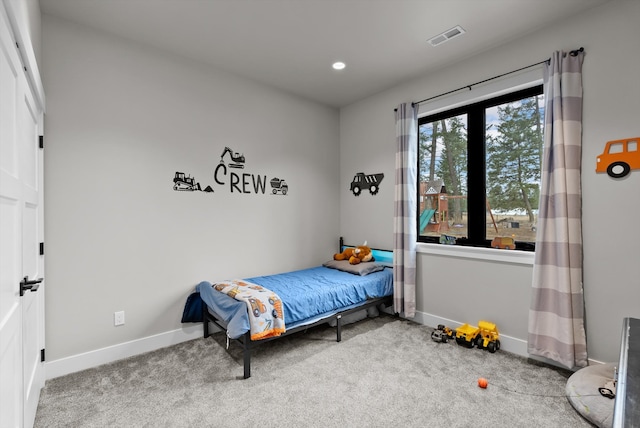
[
  {"x": 241, "y": 183},
  {"x": 362, "y": 181},
  {"x": 183, "y": 182}
]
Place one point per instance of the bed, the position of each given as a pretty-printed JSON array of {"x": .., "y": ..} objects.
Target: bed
[{"x": 309, "y": 297}]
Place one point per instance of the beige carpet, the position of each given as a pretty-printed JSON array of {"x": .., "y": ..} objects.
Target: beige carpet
[{"x": 386, "y": 372}]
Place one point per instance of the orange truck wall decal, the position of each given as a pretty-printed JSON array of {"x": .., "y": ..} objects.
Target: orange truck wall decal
[{"x": 619, "y": 157}]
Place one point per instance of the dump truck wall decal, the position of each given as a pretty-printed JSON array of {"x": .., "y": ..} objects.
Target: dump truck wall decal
[{"x": 362, "y": 181}]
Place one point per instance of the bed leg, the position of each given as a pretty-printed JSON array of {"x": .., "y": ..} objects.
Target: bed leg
[
  {"x": 247, "y": 355},
  {"x": 205, "y": 321},
  {"x": 338, "y": 328}
]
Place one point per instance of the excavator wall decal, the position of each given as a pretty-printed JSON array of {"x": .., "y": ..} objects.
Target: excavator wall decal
[{"x": 236, "y": 158}]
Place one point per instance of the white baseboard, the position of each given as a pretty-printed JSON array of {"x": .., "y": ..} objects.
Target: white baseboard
[{"x": 87, "y": 360}]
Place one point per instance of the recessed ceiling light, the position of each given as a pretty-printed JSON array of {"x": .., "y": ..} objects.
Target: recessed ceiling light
[{"x": 339, "y": 65}]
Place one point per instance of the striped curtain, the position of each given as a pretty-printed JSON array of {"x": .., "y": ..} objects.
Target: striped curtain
[
  {"x": 404, "y": 212},
  {"x": 556, "y": 315}
]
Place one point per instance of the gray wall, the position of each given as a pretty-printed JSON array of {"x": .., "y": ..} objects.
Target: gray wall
[
  {"x": 466, "y": 290},
  {"x": 121, "y": 120}
]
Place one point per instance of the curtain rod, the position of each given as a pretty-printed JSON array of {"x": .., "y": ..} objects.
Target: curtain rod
[{"x": 572, "y": 53}]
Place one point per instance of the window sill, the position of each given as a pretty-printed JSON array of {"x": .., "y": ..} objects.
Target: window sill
[{"x": 486, "y": 254}]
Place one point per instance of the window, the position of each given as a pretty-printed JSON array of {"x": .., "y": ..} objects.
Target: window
[{"x": 479, "y": 171}]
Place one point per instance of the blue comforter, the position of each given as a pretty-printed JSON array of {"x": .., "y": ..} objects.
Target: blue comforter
[{"x": 307, "y": 295}]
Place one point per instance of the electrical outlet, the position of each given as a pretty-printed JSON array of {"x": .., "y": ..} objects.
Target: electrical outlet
[{"x": 118, "y": 318}]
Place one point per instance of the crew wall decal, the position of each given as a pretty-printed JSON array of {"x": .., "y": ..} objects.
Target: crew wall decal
[
  {"x": 362, "y": 181},
  {"x": 225, "y": 174}
]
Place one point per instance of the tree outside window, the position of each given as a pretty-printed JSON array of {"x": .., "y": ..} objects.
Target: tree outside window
[{"x": 479, "y": 170}]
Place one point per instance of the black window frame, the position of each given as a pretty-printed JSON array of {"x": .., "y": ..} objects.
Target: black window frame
[{"x": 476, "y": 166}]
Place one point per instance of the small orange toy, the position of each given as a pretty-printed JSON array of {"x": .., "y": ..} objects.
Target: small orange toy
[{"x": 482, "y": 382}]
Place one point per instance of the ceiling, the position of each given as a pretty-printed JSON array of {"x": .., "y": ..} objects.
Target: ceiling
[{"x": 291, "y": 44}]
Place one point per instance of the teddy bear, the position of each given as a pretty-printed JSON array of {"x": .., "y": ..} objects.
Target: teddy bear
[{"x": 356, "y": 255}]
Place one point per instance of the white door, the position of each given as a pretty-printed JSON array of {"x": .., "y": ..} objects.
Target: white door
[{"x": 21, "y": 231}]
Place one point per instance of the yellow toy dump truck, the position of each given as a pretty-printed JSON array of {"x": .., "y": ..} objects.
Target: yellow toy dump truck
[{"x": 484, "y": 336}]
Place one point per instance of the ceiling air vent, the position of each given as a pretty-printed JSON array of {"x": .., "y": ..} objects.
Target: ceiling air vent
[{"x": 446, "y": 36}]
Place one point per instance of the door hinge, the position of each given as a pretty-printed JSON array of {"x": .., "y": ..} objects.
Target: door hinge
[
  {"x": 42, "y": 355},
  {"x": 42, "y": 248},
  {"x": 41, "y": 141}
]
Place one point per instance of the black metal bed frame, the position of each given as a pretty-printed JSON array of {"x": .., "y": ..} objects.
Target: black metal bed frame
[{"x": 248, "y": 344}]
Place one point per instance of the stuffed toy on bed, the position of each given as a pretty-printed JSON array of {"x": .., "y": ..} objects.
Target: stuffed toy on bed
[{"x": 356, "y": 255}]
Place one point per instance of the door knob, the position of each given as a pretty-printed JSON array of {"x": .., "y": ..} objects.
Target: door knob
[{"x": 29, "y": 284}]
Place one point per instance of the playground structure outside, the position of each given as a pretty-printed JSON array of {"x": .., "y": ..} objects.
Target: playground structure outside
[
  {"x": 517, "y": 226},
  {"x": 437, "y": 216}
]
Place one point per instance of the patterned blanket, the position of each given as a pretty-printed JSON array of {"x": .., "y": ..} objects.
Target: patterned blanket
[{"x": 266, "y": 317}]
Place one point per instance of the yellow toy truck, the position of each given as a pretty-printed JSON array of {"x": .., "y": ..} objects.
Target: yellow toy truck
[
  {"x": 484, "y": 336},
  {"x": 504, "y": 243}
]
